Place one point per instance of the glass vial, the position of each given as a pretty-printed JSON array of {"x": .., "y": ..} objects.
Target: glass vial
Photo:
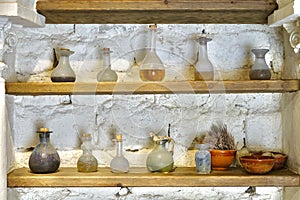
[
  {"x": 63, "y": 71},
  {"x": 107, "y": 74},
  {"x": 152, "y": 68},
  {"x": 203, "y": 159},
  {"x": 204, "y": 70},
  {"x": 87, "y": 162},
  {"x": 119, "y": 164},
  {"x": 260, "y": 69},
  {"x": 44, "y": 158}
]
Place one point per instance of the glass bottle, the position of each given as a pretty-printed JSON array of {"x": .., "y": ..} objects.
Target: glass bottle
[
  {"x": 87, "y": 162},
  {"x": 160, "y": 159},
  {"x": 63, "y": 71},
  {"x": 44, "y": 158},
  {"x": 203, "y": 159},
  {"x": 204, "y": 70},
  {"x": 107, "y": 74},
  {"x": 152, "y": 68},
  {"x": 260, "y": 69},
  {"x": 119, "y": 164}
]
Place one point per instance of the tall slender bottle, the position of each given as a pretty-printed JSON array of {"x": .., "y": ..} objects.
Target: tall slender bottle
[
  {"x": 87, "y": 161},
  {"x": 107, "y": 74},
  {"x": 152, "y": 68},
  {"x": 119, "y": 164}
]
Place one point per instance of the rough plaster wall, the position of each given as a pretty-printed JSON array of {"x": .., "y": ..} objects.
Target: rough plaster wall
[{"x": 135, "y": 115}]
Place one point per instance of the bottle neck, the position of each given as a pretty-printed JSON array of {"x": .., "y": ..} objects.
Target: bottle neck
[
  {"x": 202, "y": 54},
  {"x": 119, "y": 149},
  {"x": 153, "y": 40},
  {"x": 64, "y": 60},
  {"x": 44, "y": 137},
  {"x": 106, "y": 59}
]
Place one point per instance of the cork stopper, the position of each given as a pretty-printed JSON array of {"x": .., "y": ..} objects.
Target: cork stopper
[
  {"x": 119, "y": 137},
  {"x": 44, "y": 130},
  {"x": 106, "y": 49},
  {"x": 153, "y": 27},
  {"x": 86, "y": 135}
]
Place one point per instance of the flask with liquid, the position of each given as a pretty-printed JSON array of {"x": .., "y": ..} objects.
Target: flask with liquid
[
  {"x": 87, "y": 161},
  {"x": 203, "y": 159},
  {"x": 152, "y": 68},
  {"x": 107, "y": 74},
  {"x": 119, "y": 164},
  {"x": 260, "y": 69}
]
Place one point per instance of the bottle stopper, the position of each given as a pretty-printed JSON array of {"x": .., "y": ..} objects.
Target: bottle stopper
[{"x": 119, "y": 137}]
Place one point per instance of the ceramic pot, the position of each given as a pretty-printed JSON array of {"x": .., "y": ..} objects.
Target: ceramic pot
[{"x": 221, "y": 159}]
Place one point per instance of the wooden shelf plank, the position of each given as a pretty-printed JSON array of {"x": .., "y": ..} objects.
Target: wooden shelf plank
[
  {"x": 140, "y": 177},
  {"x": 156, "y": 11},
  {"x": 191, "y": 87}
]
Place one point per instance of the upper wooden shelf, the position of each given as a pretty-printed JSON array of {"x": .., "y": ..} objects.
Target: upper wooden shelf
[
  {"x": 190, "y": 87},
  {"x": 156, "y": 11},
  {"x": 140, "y": 177}
]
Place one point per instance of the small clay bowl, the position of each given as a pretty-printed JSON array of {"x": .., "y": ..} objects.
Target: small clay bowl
[
  {"x": 280, "y": 160},
  {"x": 256, "y": 164}
]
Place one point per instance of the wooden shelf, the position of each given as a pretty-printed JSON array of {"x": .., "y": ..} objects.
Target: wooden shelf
[
  {"x": 156, "y": 11},
  {"x": 140, "y": 177},
  {"x": 191, "y": 87}
]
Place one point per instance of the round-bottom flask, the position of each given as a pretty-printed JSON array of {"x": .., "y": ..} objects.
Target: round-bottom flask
[{"x": 87, "y": 161}]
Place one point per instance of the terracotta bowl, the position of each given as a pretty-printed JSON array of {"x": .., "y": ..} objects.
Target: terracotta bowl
[
  {"x": 222, "y": 159},
  {"x": 280, "y": 160},
  {"x": 256, "y": 164}
]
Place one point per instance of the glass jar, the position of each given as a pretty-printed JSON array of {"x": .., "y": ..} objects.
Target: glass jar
[
  {"x": 152, "y": 68},
  {"x": 260, "y": 69},
  {"x": 107, "y": 74},
  {"x": 63, "y": 71},
  {"x": 87, "y": 161},
  {"x": 119, "y": 164},
  {"x": 204, "y": 70},
  {"x": 44, "y": 158},
  {"x": 203, "y": 159}
]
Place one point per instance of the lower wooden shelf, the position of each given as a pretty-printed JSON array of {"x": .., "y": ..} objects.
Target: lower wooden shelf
[{"x": 140, "y": 177}]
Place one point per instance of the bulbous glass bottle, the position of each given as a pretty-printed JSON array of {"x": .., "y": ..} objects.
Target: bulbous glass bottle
[
  {"x": 152, "y": 68},
  {"x": 63, "y": 71},
  {"x": 260, "y": 69},
  {"x": 44, "y": 158},
  {"x": 87, "y": 161},
  {"x": 204, "y": 70},
  {"x": 203, "y": 159},
  {"x": 160, "y": 159},
  {"x": 119, "y": 164},
  {"x": 107, "y": 74}
]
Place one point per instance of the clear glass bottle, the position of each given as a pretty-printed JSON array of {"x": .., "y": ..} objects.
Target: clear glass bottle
[
  {"x": 107, "y": 74},
  {"x": 152, "y": 68},
  {"x": 260, "y": 69},
  {"x": 119, "y": 164},
  {"x": 44, "y": 158},
  {"x": 203, "y": 159},
  {"x": 160, "y": 159},
  {"x": 204, "y": 70},
  {"x": 63, "y": 71},
  {"x": 87, "y": 161}
]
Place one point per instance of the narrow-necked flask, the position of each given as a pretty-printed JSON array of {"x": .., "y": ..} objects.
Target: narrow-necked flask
[
  {"x": 87, "y": 161},
  {"x": 119, "y": 164},
  {"x": 152, "y": 68},
  {"x": 260, "y": 69},
  {"x": 44, "y": 158},
  {"x": 107, "y": 74}
]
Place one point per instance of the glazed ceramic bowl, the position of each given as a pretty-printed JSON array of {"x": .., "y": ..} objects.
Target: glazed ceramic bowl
[
  {"x": 221, "y": 159},
  {"x": 280, "y": 160},
  {"x": 257, "y": 164}
]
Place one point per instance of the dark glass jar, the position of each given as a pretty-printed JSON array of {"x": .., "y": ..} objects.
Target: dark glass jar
[{"x": 44, "y": 158}]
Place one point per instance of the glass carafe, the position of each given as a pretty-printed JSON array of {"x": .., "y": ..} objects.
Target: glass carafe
[
  {"x": 260, "y": 69},
  {"x": 160, "y": 159},
  {"x": 204, "y": 70},
  {"x": 107, "y": 74},
  {"x": 203, "y": 159},
  {"x": 44, "y": 158},
  {"x": 63, "y": 71},
  {"x": 119, "y": 164},
  {"x": 152, "y": 68},
  {"x": 87, "y": 161}
]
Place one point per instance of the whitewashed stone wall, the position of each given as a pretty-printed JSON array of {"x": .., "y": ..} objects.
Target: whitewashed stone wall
[{"x": 254, "y": 116}]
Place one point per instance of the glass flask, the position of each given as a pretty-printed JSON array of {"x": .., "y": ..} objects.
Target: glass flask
[
  {"x": 152, "y": 68},
  {"x": 260, "y": 69},
  {"x": 107, "y": 74},
  {"x": 87, "y": 162},
  {"x": 160, "y": 159},
  {"x": 63, "y": 71},
  {"x": 44, "y": 158},
  {"x": 204, "y": 70},
  {"x": 119, "y": 164},
  {"x": 203, "y": 159}
]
